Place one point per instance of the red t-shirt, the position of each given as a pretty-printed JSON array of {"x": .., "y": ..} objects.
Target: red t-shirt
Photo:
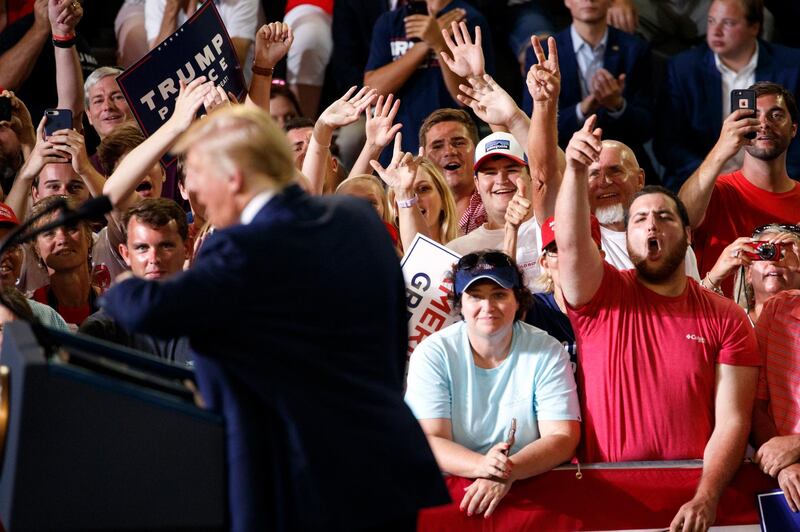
[
  {"x": 736, "y": 208},
  {"x": 326, "y": 5},
  {"x": 16, "y": 9},
  {"x": 73, "y": 315},
  {"x": 647, "y": 367},
  {"x": 778, "y": 333}
]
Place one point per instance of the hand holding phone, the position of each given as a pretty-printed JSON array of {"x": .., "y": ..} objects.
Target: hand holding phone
[
  {"x": 512, "y": 432},
  {"x": 744, "y": 99}
]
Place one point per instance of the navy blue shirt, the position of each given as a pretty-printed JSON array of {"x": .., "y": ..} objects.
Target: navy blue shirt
[
  {"x": 425, "y": 91},
  {"x": 545, "y": 314}
]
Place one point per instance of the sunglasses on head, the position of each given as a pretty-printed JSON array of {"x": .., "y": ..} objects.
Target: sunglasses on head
[
  {"x": 789, "y": 228},
  {"x": 494, "y": 259}
]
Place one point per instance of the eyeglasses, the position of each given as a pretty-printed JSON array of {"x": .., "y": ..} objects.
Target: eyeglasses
[
  {"x": 551, "y": 253},
  {"x": 494, "y": 259},
  {"x": 788, "y": 228}
]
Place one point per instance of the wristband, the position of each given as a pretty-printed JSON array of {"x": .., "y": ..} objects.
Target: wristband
[
  {"x": 262, "y": 71},
  {"x": 64, "y": 44},
  {"x": 406, "y": 203},
  {"x": 62, "y": 38}
]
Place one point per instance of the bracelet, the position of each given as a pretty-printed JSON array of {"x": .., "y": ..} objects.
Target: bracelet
[
  {"x": 63, "y": 38},
  {"x": 406, "y": 203},
  {"x": 262, "y": 71},
  {"x": 710, "y": 285},
  {"x": 64, "y": 43}
]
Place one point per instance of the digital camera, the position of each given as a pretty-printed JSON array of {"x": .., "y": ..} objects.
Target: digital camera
[{"x": 765, "y": 251}]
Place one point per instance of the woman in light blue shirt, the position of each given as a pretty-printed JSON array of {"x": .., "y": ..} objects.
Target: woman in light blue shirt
[{"x": 467, "y": 382}]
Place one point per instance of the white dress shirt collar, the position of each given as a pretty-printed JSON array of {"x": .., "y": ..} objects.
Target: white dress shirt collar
[{"x": 254, "y": 205}]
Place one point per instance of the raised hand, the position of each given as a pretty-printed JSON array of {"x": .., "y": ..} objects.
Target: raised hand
[
  {"x": 468, "y": 60},
  {"x": 584, "y": 147},
  {"x": 73, "y": 144},
  {"x": 273, "y": 41},
  {"x": 607, "y": 89},
  {"x": 64, "y": 15},
  {"x": 519, "y": 208},
  {"x": 731, "y": 258},
  {"x": 379, "y": 128},
  {"x": 216, "y": 97},
  {"x": 41, "y": 18},
  {"x": 490, "y": 101},
  {"x": 346, "y": 109},
  {"x": 732, "y": 135},
  {"x": 21, "y": 122},
  {"x": 43, "y": 153},
  {"x": 190, "y": 98},
  {"x": 544, "y": 77},
  {"x": 401, "y": 172}
]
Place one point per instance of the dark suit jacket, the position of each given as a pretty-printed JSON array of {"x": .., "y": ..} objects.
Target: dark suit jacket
[
  {"x": 624, "y": 53},
  {"x": 690, "y": 107},
  {"x": 298, "y": 325}
]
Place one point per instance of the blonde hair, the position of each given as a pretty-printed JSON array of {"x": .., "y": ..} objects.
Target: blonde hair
[
  {"x": 448, "y": 220},
  {"x": 373, "y": 182},
  {"x": 245, "y": 138},
  {"x": 544, "y": 281}
]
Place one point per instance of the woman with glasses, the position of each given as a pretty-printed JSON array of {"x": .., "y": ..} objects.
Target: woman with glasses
[
  {"x": 764, "y": 264},
  {"x": 495, "y": 396}
]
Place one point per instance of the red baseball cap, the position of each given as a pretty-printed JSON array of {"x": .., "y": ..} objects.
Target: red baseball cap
[
  {"x": 549, "y": 231},
  {"x": 7, "y": 216}
]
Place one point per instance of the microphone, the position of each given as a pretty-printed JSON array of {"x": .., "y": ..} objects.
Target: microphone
[{"x": 91, "y": 208}]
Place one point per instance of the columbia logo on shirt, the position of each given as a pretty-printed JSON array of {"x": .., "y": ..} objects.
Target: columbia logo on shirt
[{"x": 696, "y": 338}]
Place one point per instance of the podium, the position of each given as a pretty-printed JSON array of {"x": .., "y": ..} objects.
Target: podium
[{"x": 98, "y": 437}]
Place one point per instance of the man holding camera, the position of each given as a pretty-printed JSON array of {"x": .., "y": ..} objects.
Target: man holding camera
[{"x": 722, "y": 207}]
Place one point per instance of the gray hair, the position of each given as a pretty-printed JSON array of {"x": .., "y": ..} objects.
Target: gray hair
[{"x": 94, "y": 77}]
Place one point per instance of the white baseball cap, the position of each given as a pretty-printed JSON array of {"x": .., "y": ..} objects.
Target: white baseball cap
[{"x": 500, "y": 143}]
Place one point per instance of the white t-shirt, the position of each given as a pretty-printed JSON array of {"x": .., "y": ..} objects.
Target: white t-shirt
[
  {"x": 528, "y": 244},
  {"x": 615, "y": 246},
  {"x": 534, "y": 382}
]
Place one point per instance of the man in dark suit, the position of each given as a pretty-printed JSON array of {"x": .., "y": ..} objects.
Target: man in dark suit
[
  {"x": 696, "y": 98},
  {"x": 604, "y": 71},
  {"x": 296, "y": 315}
]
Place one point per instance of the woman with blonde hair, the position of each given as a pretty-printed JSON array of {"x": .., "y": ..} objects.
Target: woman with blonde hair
[
  {"x": 764, "y": 263},
  {"x": 421, "y": 197}
]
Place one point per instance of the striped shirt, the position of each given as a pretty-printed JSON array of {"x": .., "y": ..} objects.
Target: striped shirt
[
  {"x": 474, "y": 216},
  {"x": 778, "y": 332}
]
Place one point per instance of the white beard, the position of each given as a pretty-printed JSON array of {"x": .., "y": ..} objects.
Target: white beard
[{"x": 610, "y": 214}]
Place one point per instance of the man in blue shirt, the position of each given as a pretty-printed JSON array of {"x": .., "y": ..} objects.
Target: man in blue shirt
[{"x": 404, "y": 60}]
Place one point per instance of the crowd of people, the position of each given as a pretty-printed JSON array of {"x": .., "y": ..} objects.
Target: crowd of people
[{"x": 629, "y": 242}]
